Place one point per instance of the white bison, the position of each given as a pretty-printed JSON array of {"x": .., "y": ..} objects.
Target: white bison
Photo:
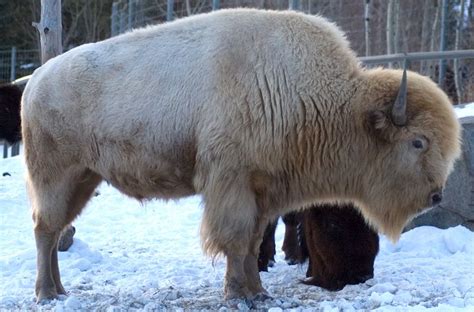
[{"x": 260, "y": 112}]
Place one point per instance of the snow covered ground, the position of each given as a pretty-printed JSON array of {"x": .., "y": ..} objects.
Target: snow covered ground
[{"x": 128, "y": 256}]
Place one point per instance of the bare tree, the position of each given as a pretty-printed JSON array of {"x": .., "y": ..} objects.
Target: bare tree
[
  {"x": 457, "y": 69},
  {"x": 426, "y": 31},
  {"x": 434, "y": 31},
  {"x": 50, "y": 29},
  {"x": 367, "y": 12},
  {"x": 389, "y": 28},
  {"x": 396, "y": 27}
]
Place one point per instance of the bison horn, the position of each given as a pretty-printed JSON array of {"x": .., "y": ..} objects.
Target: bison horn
[{"x": 399, "y": 115}]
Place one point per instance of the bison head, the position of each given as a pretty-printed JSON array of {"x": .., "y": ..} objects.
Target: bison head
[{"x": 412, "y": 138}]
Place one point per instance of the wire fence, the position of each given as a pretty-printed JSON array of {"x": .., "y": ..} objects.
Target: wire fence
[{"x": 17, "y": 63}]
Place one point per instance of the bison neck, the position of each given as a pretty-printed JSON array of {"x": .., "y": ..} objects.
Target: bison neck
[{"x": 320, "y": 151}]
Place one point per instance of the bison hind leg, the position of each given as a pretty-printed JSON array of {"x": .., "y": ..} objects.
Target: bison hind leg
[{"x": 56, "y": 201}]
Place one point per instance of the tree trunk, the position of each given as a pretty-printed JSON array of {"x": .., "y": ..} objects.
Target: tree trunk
[
  {"x": 188, "y": 7},
  {"x": 442, "y": 42},
  {"x": 433, "y": 36},
  {"x": 367, "y": 27},
  {"x": 425, "y": 33},
  {"x": 396, "y": 28},
  {"x": 389, "y": 38},
  {"x": 50, "y": 29},
  {"x": 457, "y": 69}
]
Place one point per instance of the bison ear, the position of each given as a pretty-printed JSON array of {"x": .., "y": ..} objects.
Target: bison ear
[
  {"x": 380, "y": 124},
  {"x": 378, "y": 120}
]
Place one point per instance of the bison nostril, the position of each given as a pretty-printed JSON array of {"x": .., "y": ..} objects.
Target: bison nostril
[{"x": 436, "y": 198}]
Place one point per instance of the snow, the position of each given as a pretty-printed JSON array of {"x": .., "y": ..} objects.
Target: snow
[
  {"x": 147, "y": 257},
  {"x": 464, "y": 110},
  {"x": 132, "y": 256}
]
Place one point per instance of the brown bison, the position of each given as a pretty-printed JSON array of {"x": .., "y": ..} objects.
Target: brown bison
[
  {"x": 340, "y": 246},
  {"x": 260, "y": 112},
  {"x": 10, "y": 97},
  {"x": 294, "y": 243}
]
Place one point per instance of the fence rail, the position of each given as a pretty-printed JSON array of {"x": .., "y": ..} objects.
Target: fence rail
[{"x": 417, "y": 56}]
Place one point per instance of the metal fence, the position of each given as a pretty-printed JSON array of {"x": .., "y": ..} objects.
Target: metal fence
[{"x": 17, "y": 63}]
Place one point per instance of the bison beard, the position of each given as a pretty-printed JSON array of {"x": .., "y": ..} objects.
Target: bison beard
[
  {"x": 260, "y": 112},
  {"x": 340, "y": 246}
]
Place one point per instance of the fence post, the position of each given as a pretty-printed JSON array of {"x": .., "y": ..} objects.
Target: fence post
[
  {"x": 169, "y": 10},
  {"x": 5, "y": 149},
  {"x": 114, "y": 20},
  {"x": 216, "y": 5},
  {"x": 13, "y": 64},
  {"x": 16, "y": 149}
]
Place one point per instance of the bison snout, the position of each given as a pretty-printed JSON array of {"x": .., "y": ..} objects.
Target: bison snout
[{"x": 436, "y": 197}]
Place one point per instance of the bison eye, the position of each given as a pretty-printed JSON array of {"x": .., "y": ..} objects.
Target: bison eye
[{"x": 417, "y": 143}]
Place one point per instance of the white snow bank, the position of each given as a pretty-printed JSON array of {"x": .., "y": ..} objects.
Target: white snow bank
[{"x": 464, "y": 110}]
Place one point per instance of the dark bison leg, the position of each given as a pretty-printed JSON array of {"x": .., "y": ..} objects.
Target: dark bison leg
[
  {"x": 266, "y": 257},
  {"x": 342, "y": 247},
  {"x": 291, "y": 244}
]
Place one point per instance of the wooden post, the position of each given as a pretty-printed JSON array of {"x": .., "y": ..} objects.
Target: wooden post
[
  {"x": 13, "y": 64},
  {"x": 50, "y": 29},
  {"x": 5, "y": 149},
  {"x": 15, "y": 149}
]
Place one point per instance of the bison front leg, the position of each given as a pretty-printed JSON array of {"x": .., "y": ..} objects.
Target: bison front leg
[
  {"x": 228, "y": 227},
  {"x": 251, "y": 260}
]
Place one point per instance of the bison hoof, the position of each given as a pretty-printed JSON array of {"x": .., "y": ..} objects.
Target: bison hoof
[
  {"x": 263, "y": 296},
  {"x": 67, "y": 238},
  {"x": 291, "y": 261},
  {"x": 44, "y": 297},
  {"x": 240, "y": 293}
]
